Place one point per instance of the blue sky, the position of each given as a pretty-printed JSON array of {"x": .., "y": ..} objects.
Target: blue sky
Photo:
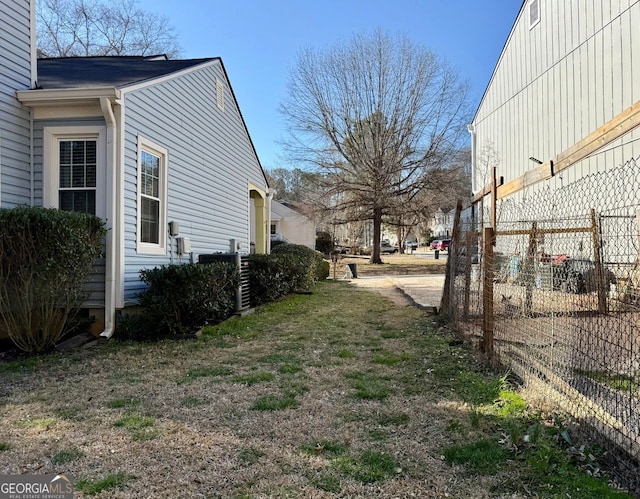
[{"x": 258, "y": 41}]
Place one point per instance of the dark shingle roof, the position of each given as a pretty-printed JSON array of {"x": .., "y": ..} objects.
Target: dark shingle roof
[{"x": 91, "y": 72}]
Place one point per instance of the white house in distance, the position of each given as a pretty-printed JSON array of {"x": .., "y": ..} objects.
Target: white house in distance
[
  {"x": 566, "y": 69},
  {"x": 442, "y": 222},
  {"x": 291, "y": 226},
  {"x": 157, "y": 148}
]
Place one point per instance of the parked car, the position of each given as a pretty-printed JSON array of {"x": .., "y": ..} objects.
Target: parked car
[
  {"x": 578, "y": 275},
  {"x": 385, "y": 247},
  {"x": 411, "y": 245},
  {"x": 441, "y": 244}
]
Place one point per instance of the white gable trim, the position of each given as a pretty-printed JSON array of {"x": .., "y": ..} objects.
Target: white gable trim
[{"x": 161, "y": 79}]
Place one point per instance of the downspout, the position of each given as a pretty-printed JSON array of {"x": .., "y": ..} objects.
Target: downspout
[
  {"x": 472, "y": 130},
  {"x": 110, "y": 268},
  {"x": 31, "y": 165},
  {"x": 270, "y": 193}
]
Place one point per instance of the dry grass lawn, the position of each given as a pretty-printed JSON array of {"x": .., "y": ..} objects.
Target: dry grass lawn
[{"x": 337, "y": 394}]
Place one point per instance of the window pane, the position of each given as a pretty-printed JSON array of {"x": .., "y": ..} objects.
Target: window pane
[
  {"x": 91, "y": 176},
  {"x": 81, "y": 201},
  {"x": 150, "y": 221},
  {"x": 90, "y": 147},
  {"x": 65, "y": 152},
  {"x": 65, "y": 176},
  {"x": 77, "y": 151},
  {"x": 150, "y": 174},
  {"x": 77, "y": 176}
]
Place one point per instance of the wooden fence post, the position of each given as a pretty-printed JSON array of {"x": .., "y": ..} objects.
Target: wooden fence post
[
  {"x": 487, "y": 293},
  {"x": 597, "y": 258}
]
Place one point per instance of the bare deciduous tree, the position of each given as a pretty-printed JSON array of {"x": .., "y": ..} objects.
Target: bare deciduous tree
[
  {"x": 377, "y": 116},
  {"x": 69, "y": 28}
]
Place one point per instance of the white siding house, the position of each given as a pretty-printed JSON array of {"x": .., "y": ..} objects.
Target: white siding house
[
  {"x": 291, "y": 226},
  {"x": 567, "y": 68},
  {"x": 157, "y": 148}
]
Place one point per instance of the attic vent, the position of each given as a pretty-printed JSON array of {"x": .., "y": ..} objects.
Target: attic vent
[
  {"x": 220, "y": 95},
  {"x": 534, "y": 13}
]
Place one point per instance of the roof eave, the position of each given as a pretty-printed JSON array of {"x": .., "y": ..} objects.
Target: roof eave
[{"x": 66, "y": 96}]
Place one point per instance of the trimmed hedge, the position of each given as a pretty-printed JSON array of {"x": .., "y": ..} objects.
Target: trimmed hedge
[
  {"x": 182, "y": 298},
  {"x": 45, "y": 257},
  {"x": 289, "y": 268}
]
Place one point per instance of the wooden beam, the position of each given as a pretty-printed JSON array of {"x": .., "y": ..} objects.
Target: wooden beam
[
  {"x": 524, "y": 232},
  {"x": 538, "y": 174},
  {"x": 607, "y": 133}
]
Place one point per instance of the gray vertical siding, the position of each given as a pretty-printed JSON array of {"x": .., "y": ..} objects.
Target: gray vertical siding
[
  {"x": 210, "y": 164},
  {"x": 561, "y": 80},
  {"x": 15, "y": 74}
]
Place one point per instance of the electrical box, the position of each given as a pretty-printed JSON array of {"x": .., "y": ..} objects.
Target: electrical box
[
  {"x": 184, "y": 245},
  {"x": 174, "y": 228}
]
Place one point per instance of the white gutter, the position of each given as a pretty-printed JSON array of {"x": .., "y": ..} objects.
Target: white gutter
[
  {"x": 111, "y": 211},
  {"x": 472, "y": 130}
]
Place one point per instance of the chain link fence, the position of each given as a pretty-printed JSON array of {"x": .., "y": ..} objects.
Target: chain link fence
[{"x": 560, "y": 306}]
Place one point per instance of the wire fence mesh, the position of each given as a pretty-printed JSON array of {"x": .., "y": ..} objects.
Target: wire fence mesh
[{"x": 562, "y": 304}]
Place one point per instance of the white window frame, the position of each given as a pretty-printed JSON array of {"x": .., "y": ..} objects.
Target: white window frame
[
  {"x": 161, "y": 247},
  {"x": 535, "y": 22},
  {"x": 51, "y": 163}
]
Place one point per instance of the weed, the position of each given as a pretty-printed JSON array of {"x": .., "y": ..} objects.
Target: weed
[
  {"x": 391, "y": 359},
  {"x": 250, "y": 455},
  {"x": 277, "y": 358},
  {"x": 110, "y": 482},
  {"x": 206, "y": 372},
  {"x": 275, "y": 403},
  {"x": 325, "y": 448},
  {"x": 44, "y": 423},
  {"x": 134, "y": 422},
  {"x": 475, "y": 416},
  {"x": 253, "y": 378},
  {"x": 377, "y": 435},
  {"x": 5, "y": 446},
  {"x": 66, "y": 456},
  {"x": 326, "y": 482},
  {"x": 145, "y": 434},
  {"x": 398, "y": 419},
  {"x": 483, "y": 455},
  {"x": 190, "y": 402},
  {"x": 345, "y": 353},
  {"x": 123, "y": 403},
  {"x": 71, "y": 414},
  {"x": 290, "y": 369},
  {"x": 368, "y": 386},
  {"x": 368, "y": 468},
  {"x": 21, "y": 366}
]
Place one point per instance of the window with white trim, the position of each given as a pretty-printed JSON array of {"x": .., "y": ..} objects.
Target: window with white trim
[
  {"x": 74, "y": 169},
  {"x": 152, "y": 198},
  {"x": 534, "y": 13}
]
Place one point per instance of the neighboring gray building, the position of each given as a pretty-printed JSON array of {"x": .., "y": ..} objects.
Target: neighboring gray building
[
  {"x": 566, "y": 69},
  {"x": 157, "y": 148}
]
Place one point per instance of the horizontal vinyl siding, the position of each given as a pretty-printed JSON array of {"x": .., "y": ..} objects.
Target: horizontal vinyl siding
[
  {"x": 210, "y": 162},
  {"x": 95, "y": 284},
  {"x": 15, "y": 74},
  {"x": 559, "y": 82}
]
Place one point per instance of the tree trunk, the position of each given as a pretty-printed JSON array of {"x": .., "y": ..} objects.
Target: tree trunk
[
  {"x": 400, "y": 237},
  {"x": 377, "y": 224}
]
